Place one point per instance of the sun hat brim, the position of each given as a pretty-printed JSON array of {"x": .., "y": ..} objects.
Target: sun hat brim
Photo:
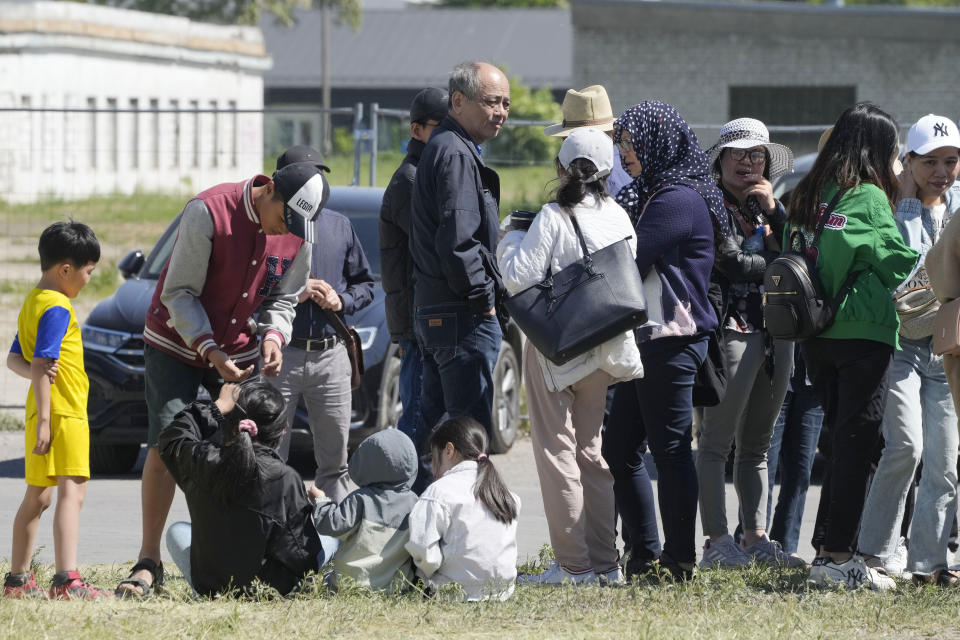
[
  {"x": 559, "y": 129},
  {"x": 781, "y": 157}
]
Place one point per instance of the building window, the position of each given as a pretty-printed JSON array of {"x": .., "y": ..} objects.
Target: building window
[
  {"x": 134, "y": 133},
  {"x": 195, "y": 126},
  {"x": 232, "y": 133},
  {"x": 91, "y": 141},
  {"x": 26, "y": 133},
  {"x": 154, "y": 133},
  {"x": 175, "y": 134},
  {"x": 112, "y": 134},
  {"x": 215, "y": 132}
]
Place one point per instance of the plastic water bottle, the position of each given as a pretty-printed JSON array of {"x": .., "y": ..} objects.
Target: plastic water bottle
[{"x": 754, "y": 243}]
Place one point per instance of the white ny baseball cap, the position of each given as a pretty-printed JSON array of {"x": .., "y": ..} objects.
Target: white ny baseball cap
[
  {"x": 932, "y": 132},
  {"x": 590, "y": 144}
]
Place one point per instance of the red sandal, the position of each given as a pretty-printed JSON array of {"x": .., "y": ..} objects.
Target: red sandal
[
  {"x": 70, "y": 585},
  {"x": 22, "y": 585}
]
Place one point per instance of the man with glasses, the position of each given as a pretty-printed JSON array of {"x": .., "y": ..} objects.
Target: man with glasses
[
  {"x": 428, "y": 109},
  {"x": 454, "y": 233}
]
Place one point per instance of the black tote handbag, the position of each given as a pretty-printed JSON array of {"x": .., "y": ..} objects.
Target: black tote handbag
[{"x": 587, "y": 303}]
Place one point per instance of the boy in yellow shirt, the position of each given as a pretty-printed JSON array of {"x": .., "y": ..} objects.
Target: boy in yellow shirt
[{"x": 48, "y": 351}]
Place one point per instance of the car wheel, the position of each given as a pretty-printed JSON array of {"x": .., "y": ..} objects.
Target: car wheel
[
  {"x": 390, "y": 410},
  {"x": 113, "y": 459},
  {"x": 506, "y": 399}
]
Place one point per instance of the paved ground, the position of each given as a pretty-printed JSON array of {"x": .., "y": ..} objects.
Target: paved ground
[{"x": 110, "y": 524}]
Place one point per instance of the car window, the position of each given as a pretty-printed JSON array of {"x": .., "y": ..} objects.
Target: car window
[
  {"x": 368, "y": 229},
  {"x": 161, "y": 251}
]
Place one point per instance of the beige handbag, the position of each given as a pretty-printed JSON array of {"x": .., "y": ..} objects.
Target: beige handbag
[
  {"x": 917, "y": 309},
  {"x": 946, "y": 330}
]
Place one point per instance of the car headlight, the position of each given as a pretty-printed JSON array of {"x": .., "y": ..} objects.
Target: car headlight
[
  {"x": 367, "y": 336},
  {"x": 97, "y": 339}
]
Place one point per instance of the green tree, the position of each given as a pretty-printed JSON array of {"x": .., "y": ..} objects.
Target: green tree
[
  {"x": 246, "y": 12},
  {"x": 526, "y": 144}
]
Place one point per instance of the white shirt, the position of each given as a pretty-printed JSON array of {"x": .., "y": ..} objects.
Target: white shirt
[
  {"x": 455, "y": 539},
  {"x": 551, "y": 243}
]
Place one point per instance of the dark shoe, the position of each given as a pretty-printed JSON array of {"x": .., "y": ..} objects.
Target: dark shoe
[
  {"x": 640, "y": 568},
  {"x": 943, "y": 578},
  {"x": 673, "y": 567},
  {"x": 22, "y": 585},
  {"x": 70, "y": 585},
  {"x": 145, "y": 564}
]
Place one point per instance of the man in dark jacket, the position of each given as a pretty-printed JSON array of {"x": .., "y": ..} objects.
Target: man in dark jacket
[
  {"x": 428, "y": 109},
  {"x": 454, "y": 232}
]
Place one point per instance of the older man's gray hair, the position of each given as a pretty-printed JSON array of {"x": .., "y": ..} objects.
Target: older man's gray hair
[{"x": 466, "y": 79}]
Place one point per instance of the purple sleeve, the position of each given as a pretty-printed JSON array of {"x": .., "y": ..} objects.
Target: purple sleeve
[
  {"x": 15, "y": 347},
  {"x": 53, "y": 326}
]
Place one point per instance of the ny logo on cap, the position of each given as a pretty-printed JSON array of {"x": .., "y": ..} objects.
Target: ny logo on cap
[{"x": 940, "y": 129}]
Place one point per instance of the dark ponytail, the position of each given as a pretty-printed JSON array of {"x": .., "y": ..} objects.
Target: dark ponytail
[
  {"x": 470, "y": 441},
  {"x": 263, "y": 404},
  {"x": 573, "y": 186}
]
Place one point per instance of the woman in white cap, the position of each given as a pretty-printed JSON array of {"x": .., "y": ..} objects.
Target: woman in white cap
[
  {"x": 926, "y": 429},
  {"x": 744, "y": 161},
  {"x": 567, "y": 401}
]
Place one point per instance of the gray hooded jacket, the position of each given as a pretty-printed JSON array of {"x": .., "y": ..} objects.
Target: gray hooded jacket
[{"x": 371, "y": 522}]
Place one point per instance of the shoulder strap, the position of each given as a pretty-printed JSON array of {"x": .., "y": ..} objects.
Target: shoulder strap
[
  {"x": 826, "y": 215},
  {"x": 583, "y": 243},
  {"x": 337, "y": 323}
]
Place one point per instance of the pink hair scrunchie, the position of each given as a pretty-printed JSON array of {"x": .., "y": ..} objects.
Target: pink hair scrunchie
[
  {"x": 482, "y": 456},
  {"x": 249, "y": 426}
]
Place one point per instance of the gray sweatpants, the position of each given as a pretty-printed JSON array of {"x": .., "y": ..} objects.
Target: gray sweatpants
[
  {"x": 746, "y": 416},
  {"x": 323, "y": 379}
]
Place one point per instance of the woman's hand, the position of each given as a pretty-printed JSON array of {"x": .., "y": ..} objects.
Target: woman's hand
[{"x": 762, "y": 190}]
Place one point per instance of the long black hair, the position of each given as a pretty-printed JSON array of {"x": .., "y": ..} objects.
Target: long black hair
[
  {"x": 262, "y": 403},
  {"x": 860, "y": 150},
  {"x": 573, "y": 187},
  {"x": 470, "y": 440}
]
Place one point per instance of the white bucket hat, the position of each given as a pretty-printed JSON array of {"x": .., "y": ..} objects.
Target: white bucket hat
[
  {"x": 932, "y": 132},
  {"x": 744, "y": 133},
  {"x": 591, "y": 144}
]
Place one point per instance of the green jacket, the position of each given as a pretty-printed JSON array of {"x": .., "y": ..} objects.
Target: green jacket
[{"x": 861, "y": 235}]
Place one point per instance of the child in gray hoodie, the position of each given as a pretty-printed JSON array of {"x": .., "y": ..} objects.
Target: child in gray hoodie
[{"x": 371, "y": 522}]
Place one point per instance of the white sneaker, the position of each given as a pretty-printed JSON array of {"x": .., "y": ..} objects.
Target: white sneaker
[
  {"x": 611, "y": 577},
  {"x": 896, "y": 564},
  {"x": 556, "y": 575},
  {"x": 767, "y": 551},
  {"x": 723, "y": 552},
  {"x": 852, "y": 574}
]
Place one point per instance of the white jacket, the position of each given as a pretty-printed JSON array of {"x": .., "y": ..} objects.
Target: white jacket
[
  {"x": 551, "y": 242},
  {"x": 455, "y": 539}
]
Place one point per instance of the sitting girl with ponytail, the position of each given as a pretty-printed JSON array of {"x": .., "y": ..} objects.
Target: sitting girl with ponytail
[
  {"x": 464, "y": 527},
  {"x": 250, "y": 514}
]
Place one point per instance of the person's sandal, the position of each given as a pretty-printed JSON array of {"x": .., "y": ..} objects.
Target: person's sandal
[
  {"x": 144, "y": 564},
  {"x": 943, "y": 578}
]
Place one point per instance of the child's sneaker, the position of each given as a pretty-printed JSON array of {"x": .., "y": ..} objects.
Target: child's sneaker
[
  {"x": 556, "y": 575},
  {"x": 22, "y": 585},
  {"x": 767, "y": 551},
  {"x": 851, "y": 574},
  {"x": 896, "y": 564},
  {"x": 70, "y": 585},
  {"x": 723, "y": 552},
  {"x": 612, "y": 577}
]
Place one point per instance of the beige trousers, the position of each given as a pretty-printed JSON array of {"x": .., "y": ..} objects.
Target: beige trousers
[{"x": 575, "y": 481}]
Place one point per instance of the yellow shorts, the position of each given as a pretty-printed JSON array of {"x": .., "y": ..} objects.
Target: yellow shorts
[{"x": 69, "y": 453}]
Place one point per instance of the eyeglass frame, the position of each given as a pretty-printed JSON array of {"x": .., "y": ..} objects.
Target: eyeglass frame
[{"x": 746, "y": 153}]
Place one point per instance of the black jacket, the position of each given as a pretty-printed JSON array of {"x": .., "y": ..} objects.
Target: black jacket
[
  {"x": 455, "y": 223},
  {"x": 396, "y": 264},
  {"x": 268, "y": 534}
]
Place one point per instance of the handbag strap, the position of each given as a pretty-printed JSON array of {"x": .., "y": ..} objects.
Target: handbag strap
[
  {"x": 826, "y": 215},
  {"x": 337, "y": 323},
  {"x": 583, "y": 242}
]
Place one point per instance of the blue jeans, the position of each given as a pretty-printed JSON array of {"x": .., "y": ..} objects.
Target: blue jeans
[
  {"x": 793, "y": 448},
  {"x": 664, "y": 418},
  {"x": 411, "y": 377},
  {"x": 460, "y": 350},
  {"x": 919, "y": 423}
]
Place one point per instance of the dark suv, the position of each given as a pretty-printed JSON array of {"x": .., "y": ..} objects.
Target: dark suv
[{"x": 113, "y": 354}]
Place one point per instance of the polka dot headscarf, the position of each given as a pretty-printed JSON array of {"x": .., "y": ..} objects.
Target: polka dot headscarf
[{"x": 670, "y": 155}]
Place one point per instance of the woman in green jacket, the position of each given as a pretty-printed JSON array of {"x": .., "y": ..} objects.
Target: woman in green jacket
[{"x": 848, "y": 362}]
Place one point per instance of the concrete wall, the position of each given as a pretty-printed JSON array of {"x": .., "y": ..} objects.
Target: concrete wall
[
  {"x": 689, "y": 53},
  {"x": 60, "y": 55}
]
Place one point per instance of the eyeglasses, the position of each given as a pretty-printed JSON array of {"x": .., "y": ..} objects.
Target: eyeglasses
[
  {"x": 756, "y": 156},
  {"x": 493, "y": 101}
]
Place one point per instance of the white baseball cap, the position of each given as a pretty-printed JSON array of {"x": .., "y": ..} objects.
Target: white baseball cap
[
  {"x": 590, "y": 144},
  {"x": 305, "y": 192},
  {"x": 932, "y": 132}
]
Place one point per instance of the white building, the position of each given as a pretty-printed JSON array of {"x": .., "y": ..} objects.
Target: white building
[{"x": 98, "y": 100}]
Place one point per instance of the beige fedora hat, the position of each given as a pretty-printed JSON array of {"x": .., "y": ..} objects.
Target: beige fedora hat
[{"x": 588, "y": 107}]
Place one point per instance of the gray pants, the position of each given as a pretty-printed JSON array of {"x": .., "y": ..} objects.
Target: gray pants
[
  {"x": 746, "y": 416},
  {"x": 322, "y": 378}
]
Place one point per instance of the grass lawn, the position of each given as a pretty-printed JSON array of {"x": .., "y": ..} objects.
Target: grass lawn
[{"x": 755, "y": 603}]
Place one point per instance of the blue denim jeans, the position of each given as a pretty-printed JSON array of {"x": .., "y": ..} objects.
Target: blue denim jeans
[
  {"x": 664, "y": 418},
  {"x": 411, "y": 379},
  {"x": 460, "y": 350},
  {"x": 793, "y": 448},
  {"x": 919, "y": 423}
]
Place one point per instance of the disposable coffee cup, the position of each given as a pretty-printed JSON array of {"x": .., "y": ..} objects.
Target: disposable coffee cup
[{"x": 521, "y": 219}]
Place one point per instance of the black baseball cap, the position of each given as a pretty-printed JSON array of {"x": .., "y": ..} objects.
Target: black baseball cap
[
  {"x": 301, "y": 153},
  {"x": 429, "y": 104},
  {"x": 305, "y": 191}
]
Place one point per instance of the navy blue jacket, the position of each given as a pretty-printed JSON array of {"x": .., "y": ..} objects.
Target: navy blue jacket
[
  {"x": 396, "y": 263},
  {"x": 455, "y": 223},
  {"x": 337, "y": 258}
]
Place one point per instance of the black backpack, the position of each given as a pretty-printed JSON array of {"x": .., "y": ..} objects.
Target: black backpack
[{"x": 795, "y": 305}]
